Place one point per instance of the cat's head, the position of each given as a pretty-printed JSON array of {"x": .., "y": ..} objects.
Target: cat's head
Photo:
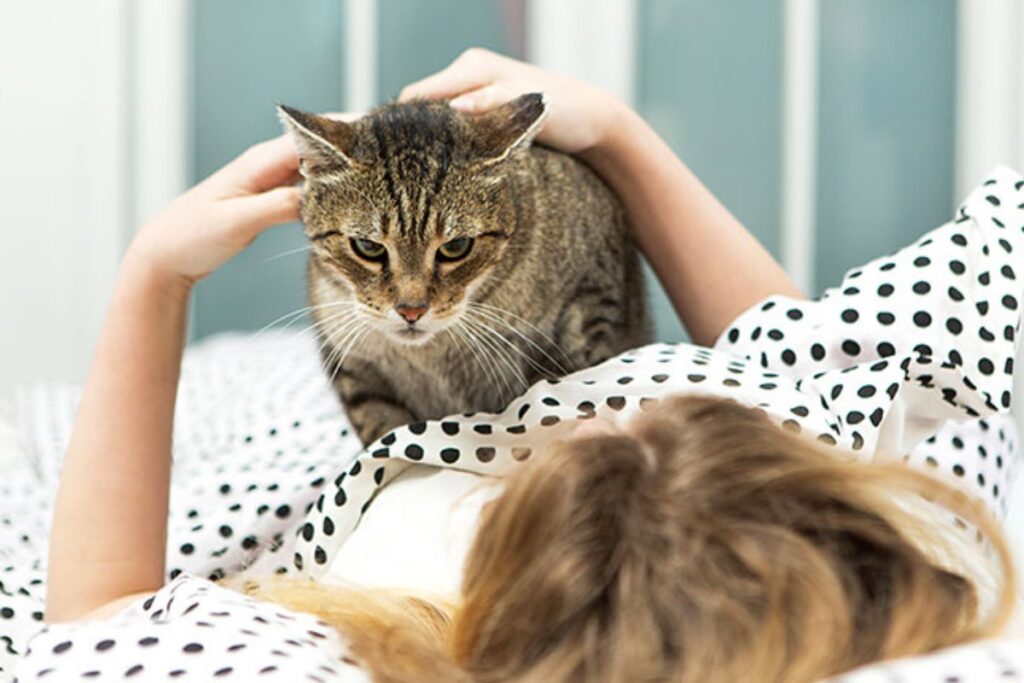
[{"x": 407, "y": 209}]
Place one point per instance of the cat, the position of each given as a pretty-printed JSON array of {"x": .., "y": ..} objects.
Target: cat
[{"x": 453, "y": 263}]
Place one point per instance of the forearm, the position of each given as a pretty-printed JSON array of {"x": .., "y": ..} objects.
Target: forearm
[
  {"x": 711, "y": 267},
  {"x": 110, "y": 520}
]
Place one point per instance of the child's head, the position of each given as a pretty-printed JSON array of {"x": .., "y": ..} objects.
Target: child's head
[{"x": 700, "y": 543}]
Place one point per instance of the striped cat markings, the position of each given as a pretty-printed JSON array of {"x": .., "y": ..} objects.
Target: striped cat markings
[{"x": 453, "y": 263}]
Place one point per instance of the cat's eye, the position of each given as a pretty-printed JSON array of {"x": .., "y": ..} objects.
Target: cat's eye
[
  {"x": 455, "y": 249},
  {"x": 369, "y": 250}
]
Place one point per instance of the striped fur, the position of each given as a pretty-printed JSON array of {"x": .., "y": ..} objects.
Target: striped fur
[{"x": 551, "y": 284}]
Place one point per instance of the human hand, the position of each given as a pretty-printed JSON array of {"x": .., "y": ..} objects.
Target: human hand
[
  {"x": 581, "y": 116},
  {"x": 200, "y": 230}
]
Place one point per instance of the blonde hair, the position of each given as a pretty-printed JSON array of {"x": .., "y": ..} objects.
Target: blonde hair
[{"x": 704, "y": 545}]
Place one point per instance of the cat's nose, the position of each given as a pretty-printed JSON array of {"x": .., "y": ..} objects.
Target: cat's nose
[{"x": 411, "y": 312}]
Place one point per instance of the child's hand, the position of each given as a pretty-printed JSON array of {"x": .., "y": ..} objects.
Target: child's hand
[
  {"x": 203, "y": 228},
  {"x": 580, "y": 118}
]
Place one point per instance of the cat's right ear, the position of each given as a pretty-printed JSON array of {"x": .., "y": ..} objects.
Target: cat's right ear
[{"x": 324, "y": 145}]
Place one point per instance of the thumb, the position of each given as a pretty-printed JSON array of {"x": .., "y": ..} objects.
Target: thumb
[{"x": 252, "y": 214}]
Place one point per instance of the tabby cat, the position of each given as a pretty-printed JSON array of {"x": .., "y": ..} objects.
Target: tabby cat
[{"x": 452, "y": 264}]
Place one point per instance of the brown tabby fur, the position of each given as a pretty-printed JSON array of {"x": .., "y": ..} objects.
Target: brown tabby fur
[{"x": 552, "y": 272}]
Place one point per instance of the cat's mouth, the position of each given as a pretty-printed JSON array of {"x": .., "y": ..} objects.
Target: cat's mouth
[{"x": 412, "y": 333}]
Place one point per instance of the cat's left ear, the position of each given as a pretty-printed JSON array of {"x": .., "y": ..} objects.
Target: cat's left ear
[
  {"x": 508, "y": 128},
  {"x": 324, "y": 145}
]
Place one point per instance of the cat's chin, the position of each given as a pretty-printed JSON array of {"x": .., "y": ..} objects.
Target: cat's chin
[{"x": 411, "y": 336}]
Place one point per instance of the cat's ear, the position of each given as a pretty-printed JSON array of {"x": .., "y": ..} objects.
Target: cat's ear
[
  {"x": 512, "y": 126},
  {"x": 324, "y": 145}
]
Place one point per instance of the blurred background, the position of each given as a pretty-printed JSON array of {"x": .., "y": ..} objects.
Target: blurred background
[{"x": 837, "y": 130}]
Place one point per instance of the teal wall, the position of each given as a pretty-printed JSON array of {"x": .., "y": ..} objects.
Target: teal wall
[
  {"x": 709, "y": 76},
  {"x": 887, "y": 112},
  {"x": 248, "y": 55},
  {"x": 418, "y": 38}
]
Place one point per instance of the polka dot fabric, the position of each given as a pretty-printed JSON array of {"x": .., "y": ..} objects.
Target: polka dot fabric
[
  {"x": 258, "y": 435},
  {"x": 194, "y": 630},
  {"x": 910, "y": 357}
]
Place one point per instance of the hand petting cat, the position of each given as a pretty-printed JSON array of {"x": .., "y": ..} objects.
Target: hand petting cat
[
  {"x": 203, "y": 228},
  {"x": 580, "y": 115}
]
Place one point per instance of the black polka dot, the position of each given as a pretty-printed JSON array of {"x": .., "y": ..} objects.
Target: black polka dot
[
  {"x": 104, "y": 645},
  {"x": 450, "y": 455},
  {"x": 885, "y": 290},
  {"x": 788, "y": 357},
  {"x": 415, "y": 451},
  {"x": 817, "y": 351},
  {"x": 192, "y": 648},
  {"x": 851, "y": 348},
  {"x": 616, "y": 402},
  {"x": 885, "y": 318},
  {"x": 485, "y": 454},
  {"x": 850, "y": 315},
  {"x": 794, "y": 314},
  {"x": 922, "y": 287},
  {"x": 922, "y": 319},
  {"x": 450, "y": 428}
]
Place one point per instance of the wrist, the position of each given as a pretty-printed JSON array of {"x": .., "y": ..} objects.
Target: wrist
[
  {"x": 140, "y": 271},
  {"x": 618, "y": 129}
]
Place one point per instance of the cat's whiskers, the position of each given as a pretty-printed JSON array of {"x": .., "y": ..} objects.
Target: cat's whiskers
[
  {"x": 351, "y": 310},
  {"x": 511, "y": 346},
  {"x": 295, "y": 315},
  {"x": 336, "y": 333},
  {"x": 289, "y": 252},
  {"x": 493, "y": 317},
  {"x": 332, "y": 326},
  {"x": 490, "y": 335},
  {"x": 461, "y": 337},
  {"x": 359, "y": 331},
  {"x": 497, "y": 366},
  {"x": 232, "y": 394},
  {"x": 502, "y": 311}
]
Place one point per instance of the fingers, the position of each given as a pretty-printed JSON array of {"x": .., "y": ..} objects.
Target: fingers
[
  {"x": 253, "y": 214},
  {"x": 483, "y": 99},
  {"x": 473, "y": 69},
  {"x": 346, "y": 116},
  {"x": 263, "y": 166}
]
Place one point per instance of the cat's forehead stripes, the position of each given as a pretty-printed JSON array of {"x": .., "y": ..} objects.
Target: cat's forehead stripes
[{"x": 415, "y": 146}]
